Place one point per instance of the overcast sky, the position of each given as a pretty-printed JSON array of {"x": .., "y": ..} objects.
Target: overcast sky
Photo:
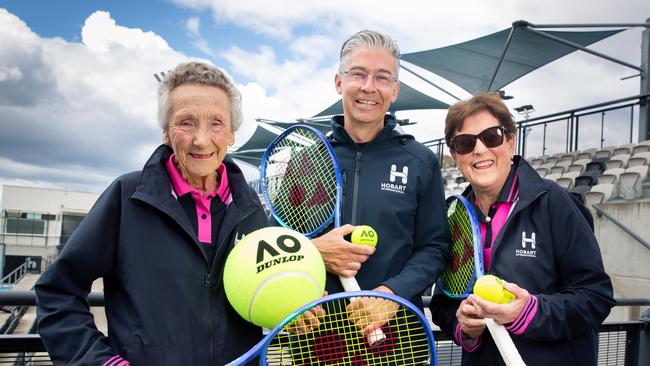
[{"x": 78, "y": 97}]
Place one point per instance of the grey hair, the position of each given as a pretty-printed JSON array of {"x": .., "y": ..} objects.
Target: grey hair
[
  {"x": 370, "y": 39},
  {"x": 198, "y": 73}
]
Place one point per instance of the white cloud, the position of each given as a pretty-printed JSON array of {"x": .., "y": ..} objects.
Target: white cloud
[
  {"x": 90, "y": 106},
  {"x": 192, "y": 25},
  {"x": 80, "y": 111}
]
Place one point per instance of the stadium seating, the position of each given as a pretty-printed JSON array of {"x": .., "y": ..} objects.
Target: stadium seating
[
  {"x": 631, "y": 182},
  {"x": 586, "y": 154},
  {"x": 567, "y": 180},
  {"x": 587, "y": 178},
  {"x": 579, "y": 165},
  {"x": 598, "y": 164},
  {"x": 598, "y": 194},
  {"x": 643, "y": 146},
  {"x": 640, "y": 158},
  {"x": 618, "y": 161},
  {"x": 611, "y": 176}
]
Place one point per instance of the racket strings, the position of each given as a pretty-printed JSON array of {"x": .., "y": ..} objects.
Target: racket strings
[
  {"x": 339, "y": 341},
  {"x": 301, "y": 181},
  {"x": 460, "y": 273}
]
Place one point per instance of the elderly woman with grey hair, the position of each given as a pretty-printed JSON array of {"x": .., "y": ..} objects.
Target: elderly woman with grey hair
[{"x": 159, "y": 239}]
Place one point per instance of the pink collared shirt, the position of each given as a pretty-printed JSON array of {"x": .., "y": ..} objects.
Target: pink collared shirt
[{"x": 181, "y": 187}]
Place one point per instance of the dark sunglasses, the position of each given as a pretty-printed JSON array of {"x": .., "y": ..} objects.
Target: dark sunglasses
[{"x": 490, "y": 137}]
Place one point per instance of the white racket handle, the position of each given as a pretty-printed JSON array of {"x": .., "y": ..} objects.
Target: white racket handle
[
  {"x": 350, "y": 284},
  {"x": 504, "y": 343}
]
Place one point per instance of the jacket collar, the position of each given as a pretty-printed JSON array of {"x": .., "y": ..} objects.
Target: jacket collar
[
  {"x": 341, "y": 135},
  {"x": 530, "y": 183},
  {"x": 154, "y": 180}
]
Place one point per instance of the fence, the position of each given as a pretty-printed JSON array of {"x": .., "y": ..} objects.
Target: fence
[
  {"x": 620, "y": 343},
  {"x": 596, "y": 126}
]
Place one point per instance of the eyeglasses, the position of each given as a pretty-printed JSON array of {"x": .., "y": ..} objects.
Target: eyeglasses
[
  {"x": 382, "y": 80},
  {"x": 490, "y": 137}
]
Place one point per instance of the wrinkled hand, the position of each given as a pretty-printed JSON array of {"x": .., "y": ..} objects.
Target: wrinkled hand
[
  {"x": 370, "y": 313},
  {"x": 502, "y": 313},
  {"x": 470, "y": 322},
  {"x": 340, "y": 256}
]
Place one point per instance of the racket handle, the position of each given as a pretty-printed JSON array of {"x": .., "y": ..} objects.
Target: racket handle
[
  {"x": 349, "y": 284},
  {"x": 373, "y": 337},
  {"x": 504, "y": 343}
]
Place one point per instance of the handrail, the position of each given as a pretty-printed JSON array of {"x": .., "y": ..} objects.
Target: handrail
[
  {"x": 602, "y": 212},
  {"x": 97, "y": 299},
  {"x": 620, "y": 301},
  {"x": 29, "y": 298},
  {"x": 593, "y": 106},
  {"x": 15, "y": 275}
]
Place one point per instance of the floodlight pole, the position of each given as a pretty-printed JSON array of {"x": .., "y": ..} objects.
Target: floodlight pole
[{"x": 644, "y": 108}]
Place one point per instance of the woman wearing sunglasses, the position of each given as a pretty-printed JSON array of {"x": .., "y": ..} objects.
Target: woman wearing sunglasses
[{"x": 536, "y": 237}]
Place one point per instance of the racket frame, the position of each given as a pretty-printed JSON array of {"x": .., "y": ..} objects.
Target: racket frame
[
  {"x": 476, "y": 244},
  {"x": 335, "y": 215},
  {"x": 261, "y": 348}
]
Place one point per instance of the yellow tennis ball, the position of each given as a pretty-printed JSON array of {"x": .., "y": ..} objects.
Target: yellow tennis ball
[
  {"x": 490, "y": 288},
  {"x": 364, "y": 235},
  {"x": 272, "y": 272}
]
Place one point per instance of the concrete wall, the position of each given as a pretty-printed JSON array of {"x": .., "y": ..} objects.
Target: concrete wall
[{"x": 626, "y": 260}]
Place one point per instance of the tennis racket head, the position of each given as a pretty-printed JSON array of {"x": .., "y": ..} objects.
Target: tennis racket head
[
  {"x": 301, "y": 180},
  {"x": 339, "y": 341},
  {"x": 466, "y": 265}
]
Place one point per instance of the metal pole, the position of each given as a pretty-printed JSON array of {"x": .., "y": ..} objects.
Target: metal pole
[
  {"x": 515, "y": 25},
  {"x": 585, "y": 49},
  {"x": 575, "y": 141},
  {"x": 596, "y": 25},
  {"x": 631, "y": 122},
  {"x": 429, "y": 82},
  {"x": 602, "y": 128},
  {"x": 644, "y": 108},
  {"x": 544, "y": 141}
]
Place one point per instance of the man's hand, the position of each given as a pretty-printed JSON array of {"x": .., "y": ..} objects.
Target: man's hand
[{"x": 340, "y": 256}]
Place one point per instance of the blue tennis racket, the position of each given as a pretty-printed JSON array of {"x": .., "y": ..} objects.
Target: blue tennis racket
[
  {"x": 301, "y": 184},
  {"x": 338, "y": 337},
  {"x": 466, "y": 265}
]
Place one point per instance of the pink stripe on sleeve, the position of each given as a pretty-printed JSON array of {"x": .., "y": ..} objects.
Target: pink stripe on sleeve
[
  {"x": 116, "y": 360},
  {"x": 525, "y": 317},
  {"x": 470, "y": 345}
]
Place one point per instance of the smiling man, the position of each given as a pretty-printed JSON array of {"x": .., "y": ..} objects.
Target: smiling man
[{"x": 390, "y": 181}]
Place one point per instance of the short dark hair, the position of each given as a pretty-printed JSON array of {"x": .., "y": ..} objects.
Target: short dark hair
[{"x": 490, "y": 102}]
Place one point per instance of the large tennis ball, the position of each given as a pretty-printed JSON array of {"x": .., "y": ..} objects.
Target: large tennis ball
[
  {"x": 272, "y": 272},
  {"x": 490, "y": 288},
  {"x": 365, "y": 235}
]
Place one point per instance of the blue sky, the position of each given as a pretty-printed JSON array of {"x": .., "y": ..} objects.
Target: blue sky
[{"x": 78, "y": 97}]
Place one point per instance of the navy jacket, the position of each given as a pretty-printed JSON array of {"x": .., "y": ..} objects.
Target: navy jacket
[
  {"x": 165, "y": 303},
  {"x": 394, "y": 184},
  {"x": 564, "y": 270}
]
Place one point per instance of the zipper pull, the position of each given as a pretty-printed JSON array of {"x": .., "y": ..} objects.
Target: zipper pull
[{"x": 208, "y": 280}]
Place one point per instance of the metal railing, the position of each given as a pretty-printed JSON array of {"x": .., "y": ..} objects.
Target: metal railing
[
  {"x": 599, "y": 125},
  {"x": 620, "y": 343},
  {"x": 14, "y": 276},
  {"x": 601, "y": 212},
  {"x": 595, "y": 126}
]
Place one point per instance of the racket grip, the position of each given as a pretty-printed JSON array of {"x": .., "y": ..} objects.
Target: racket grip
[
  {"x": 375, "y": 336},
  {"x": 349, "y": 284},
  {"x": 509, "y": 353}
]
